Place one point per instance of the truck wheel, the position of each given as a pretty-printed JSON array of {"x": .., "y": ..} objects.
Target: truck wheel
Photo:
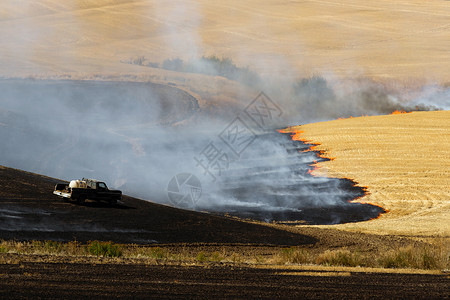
[
  {"x": 112, "y": 202},
  {"x": 81, "y": 199}
]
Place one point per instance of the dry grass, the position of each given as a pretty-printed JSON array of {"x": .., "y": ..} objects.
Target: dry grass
[
  {"x": 402, "y": 159},
  {"x": 341, "y": 257},
  {"x": 422, "y": 256}
]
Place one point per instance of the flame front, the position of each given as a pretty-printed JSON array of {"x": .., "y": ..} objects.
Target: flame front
[
  {"x": 297, "y": 135},
  {"x": 315, "y": 167},
  {"x": 399, "y": 112}
]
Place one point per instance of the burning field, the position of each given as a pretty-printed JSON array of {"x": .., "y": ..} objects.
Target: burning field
[
  {"x": 274, "y": 184},
  {"x": 228, "y": 128},
  {"x": 192, "y": 254},
  {"x": 147, "y": 133},
  {"x": 80, "y": 127}
]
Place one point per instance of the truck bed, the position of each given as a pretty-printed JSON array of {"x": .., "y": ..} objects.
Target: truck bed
[{"x": 64, "y": 194}]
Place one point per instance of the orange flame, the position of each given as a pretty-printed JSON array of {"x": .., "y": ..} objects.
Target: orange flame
[
  {"x": 366, "y": 192},
  {"x": 399, "y": 112},
  {"x": 296, "y": 135},
  {"x": 315, "y": 167},
  {"x": 396, "y": 112}
]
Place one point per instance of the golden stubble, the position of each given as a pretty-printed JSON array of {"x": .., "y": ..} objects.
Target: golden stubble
[{"x": 403, "y": 160}]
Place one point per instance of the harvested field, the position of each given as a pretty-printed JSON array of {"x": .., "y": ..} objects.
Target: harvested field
[
  {"x": 405, "y": 40},
  {"x": 404, "y": 162}
]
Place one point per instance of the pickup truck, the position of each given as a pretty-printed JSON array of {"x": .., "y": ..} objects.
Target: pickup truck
[{"x": 80, "y": 190}]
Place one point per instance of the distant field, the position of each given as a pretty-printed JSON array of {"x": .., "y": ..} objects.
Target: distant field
[
  {"x": 406, "y": 40},
  {"x": 404, "y": 162}
]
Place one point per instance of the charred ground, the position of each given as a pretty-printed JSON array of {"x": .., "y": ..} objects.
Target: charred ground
[{"x": 30, "y": 211}]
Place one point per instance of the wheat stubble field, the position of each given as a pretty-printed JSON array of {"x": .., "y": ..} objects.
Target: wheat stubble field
[
  {"x": 401, "y": 40},
  {"x": 402, "y": 159}
]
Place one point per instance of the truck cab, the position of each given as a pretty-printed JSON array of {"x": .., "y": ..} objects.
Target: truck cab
[{"x": 95, "y": 184}]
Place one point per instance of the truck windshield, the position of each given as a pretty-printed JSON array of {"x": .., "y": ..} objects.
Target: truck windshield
[{"x": 102, "y": 185}]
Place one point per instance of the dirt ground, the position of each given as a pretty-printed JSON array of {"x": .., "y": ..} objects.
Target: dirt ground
[
  {"x": 30, "y": 211},
  {"x": 84, "y": 280}
]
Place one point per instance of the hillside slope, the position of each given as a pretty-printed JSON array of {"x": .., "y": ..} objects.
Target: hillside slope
[{"x": 29, "y": 211}]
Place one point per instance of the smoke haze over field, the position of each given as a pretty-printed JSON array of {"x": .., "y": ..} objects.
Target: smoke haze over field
[{"x": 137, "y": 136}]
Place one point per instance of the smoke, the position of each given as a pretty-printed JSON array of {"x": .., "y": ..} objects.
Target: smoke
[
  {"x": 127, "y": 135},
  {"x": 433, "y": 97},
  {"x": 322, "y": 98},
  {"x": 181, "y": 27},
  {"x": 271, "y": 181},
  {"x": 138, "y": 136}
]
